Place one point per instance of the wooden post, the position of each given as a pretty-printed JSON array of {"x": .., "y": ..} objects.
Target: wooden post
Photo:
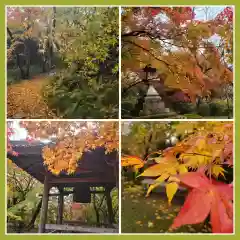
[
  {"x": 109, "y": 205},
  {"x": 60, "y": 206},
  {"x": 44, "y": 210}
]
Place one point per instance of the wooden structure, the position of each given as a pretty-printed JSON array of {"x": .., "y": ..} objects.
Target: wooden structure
[{"x": 95, "y": 169}]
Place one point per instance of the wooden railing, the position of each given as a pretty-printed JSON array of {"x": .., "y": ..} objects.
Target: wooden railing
[{"x": 80, "y": 229}]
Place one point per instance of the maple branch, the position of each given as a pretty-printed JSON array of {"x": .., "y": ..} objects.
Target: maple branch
[
  {"x": 124, "y": 91},
  {"x": 9, "y": 33},
  {"x": 208, "y": 69},
  {"x": 134, "y": 33},
  {"x": 18, "y": 183},
  {"x": 147, "y": 145},
  {"x": 146, "y": 50},
  {"x": 29, "y": 184},
  {"x": 197, "y": 154},
  {"x": 141, "y": 33},
  {"x": 34, "y": 216}
]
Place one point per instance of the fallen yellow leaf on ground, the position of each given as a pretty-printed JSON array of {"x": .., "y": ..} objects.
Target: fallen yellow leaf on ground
[
  {"x": 150, "y": 224},
  {"x": 24, "y": 100}
]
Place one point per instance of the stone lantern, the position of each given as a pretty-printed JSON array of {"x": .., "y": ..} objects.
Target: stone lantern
[{"x": 153, "y": 102}]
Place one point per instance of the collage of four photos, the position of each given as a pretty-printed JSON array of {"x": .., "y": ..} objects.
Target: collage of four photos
[{"x": 120, "y": 120}]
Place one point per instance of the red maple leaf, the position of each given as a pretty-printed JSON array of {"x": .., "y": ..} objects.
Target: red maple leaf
[
  {"x": 10, "y": 132},
  {"x": 206, "y": 197},
  {"x": 226, "y": 15},
  {"x": 155, "y": 11},
  {"x": 16, "y": 154}
]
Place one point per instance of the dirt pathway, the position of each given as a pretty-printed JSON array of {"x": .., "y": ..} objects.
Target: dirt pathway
[{"x": 24, "y": 100}]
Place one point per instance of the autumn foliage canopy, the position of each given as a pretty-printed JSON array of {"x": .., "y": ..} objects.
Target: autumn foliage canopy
[
  {"x": 189, "y": 54},
  {"x": 71, "y": 138}
]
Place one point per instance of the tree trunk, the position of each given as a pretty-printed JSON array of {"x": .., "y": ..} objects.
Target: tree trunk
[
  {"x": 109, "y": 205},
  {"x": 96, "y": 210},
  {"x": 10, "y": 33},
  {"x": 20, "y": 66},
  {"x": 34, "y": 217},
  {"x": 198, "y": 103},
  {"x": 52, "y": 36},
  {"x": 139, "y": 105},
  {"x": 27, "y": 64}
]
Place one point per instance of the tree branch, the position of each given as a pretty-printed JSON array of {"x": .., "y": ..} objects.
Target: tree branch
[
  {"x": 146, "y": 50},
  {"x": 124, "y": 91},
  {"x": 9, "y": 33}
]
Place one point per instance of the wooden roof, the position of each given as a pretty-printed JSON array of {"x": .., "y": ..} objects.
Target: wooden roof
[{"x": 95, "y": 167}]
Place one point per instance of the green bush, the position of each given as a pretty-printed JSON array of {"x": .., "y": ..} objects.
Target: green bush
[
  {"x": 183, "y": 107},
  {"x": 217, "y": 108},
  {"x": 73, "y": 96},
  {"x": 204, "y": 109},
  {"x": 221, "y": 108},
  {"x": 228, "y": 110}
]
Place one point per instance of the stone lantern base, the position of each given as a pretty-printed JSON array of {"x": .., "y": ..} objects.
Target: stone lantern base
[{"x": 153, "y": 105}]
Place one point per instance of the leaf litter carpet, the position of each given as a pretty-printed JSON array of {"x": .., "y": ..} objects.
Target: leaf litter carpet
[{"x": 25, "y": 100}]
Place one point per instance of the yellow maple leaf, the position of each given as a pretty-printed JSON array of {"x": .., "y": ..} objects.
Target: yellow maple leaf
[
  {"x": 217, "y": 170},
  {"x": 160, "y": 168},
  {"x": 158, "y": 182},
  {"x": 182, "y": 169},
  {"x": 150, "y": 224},
  {"x": 171, "y": 189},
  {"x": 132, "y": 161}
]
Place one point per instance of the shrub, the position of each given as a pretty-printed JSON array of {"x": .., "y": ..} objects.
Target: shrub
[
  {"x": 204, "y": 109},
  {"x": 72, "y": 96},
  {"x": 221, "y": 108},
  {"x": 183, "y": 107}
]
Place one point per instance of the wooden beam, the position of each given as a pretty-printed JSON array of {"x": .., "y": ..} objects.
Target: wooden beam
[
  {"x": 82, "y": 180},
  {"x": 60, "y": 206},
  {"x": 44, "y": 209},
  {"x": 79, "y": 223},
  {"x": 65, "y": 193},
  {"x": 80, "y": 229},
  {"x": 82, "y": 170}
]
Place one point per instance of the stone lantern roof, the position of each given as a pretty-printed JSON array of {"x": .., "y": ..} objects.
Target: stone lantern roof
[{"x": 152, "y": 93}]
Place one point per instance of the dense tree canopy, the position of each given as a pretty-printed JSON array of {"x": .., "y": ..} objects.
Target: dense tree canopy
[
  {"x": 185, "y": 54},
  {"x": 80, "y": 45}
]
